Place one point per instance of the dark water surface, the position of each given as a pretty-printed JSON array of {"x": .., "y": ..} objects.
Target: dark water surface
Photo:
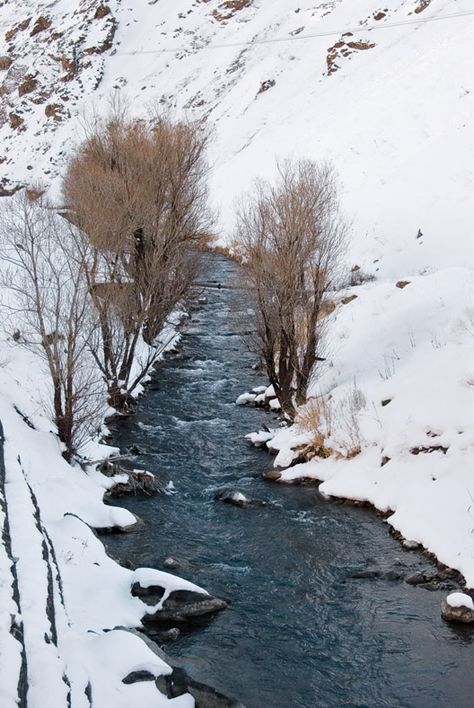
[{"x": 299, "y": 632}]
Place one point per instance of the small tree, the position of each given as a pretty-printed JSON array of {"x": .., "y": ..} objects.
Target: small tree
[
  {"x": 45, "y": 276},
  {"x": 291, "y": 238},
  {"x": 139, "y": 192}
]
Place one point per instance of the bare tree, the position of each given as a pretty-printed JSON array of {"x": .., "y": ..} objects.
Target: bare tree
[
  {"x": 139, "y": 192},
  {"x": 49, "y": 302},
  {"x": 291, "y": 239}
]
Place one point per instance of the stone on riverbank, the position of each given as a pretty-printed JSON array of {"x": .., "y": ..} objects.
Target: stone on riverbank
[
  {"x": 185, "y": 607},
  {"x": 117, "y": 529},
  {"x": 178, "y": 682},
  {"x": 184, "y": 602}
]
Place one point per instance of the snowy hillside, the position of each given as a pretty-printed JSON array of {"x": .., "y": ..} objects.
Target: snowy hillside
[{"x": 386, "y": 94}]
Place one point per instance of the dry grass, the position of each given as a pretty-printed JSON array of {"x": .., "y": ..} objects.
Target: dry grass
[{"x": 334, "y": 425}]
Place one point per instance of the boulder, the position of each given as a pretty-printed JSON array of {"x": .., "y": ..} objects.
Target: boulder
[
  {"x": 179, "y": 682},
  {"x": 415, "y": 578},
  {"x": 238, "y": 499},
  {"x": 272, "y": 474},
  {"x": 180, "y": 607},
  {"x": 458, "y": 607},
  {"x": 137, "y": 482}
]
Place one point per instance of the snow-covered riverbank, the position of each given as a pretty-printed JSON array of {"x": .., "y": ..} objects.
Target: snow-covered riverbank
[
  {"x": 398, "y": 384},
  {"x": 63, "y": 597}
]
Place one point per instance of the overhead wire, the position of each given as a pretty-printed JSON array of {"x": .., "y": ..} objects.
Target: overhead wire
[{"x": 302, "y": 37}]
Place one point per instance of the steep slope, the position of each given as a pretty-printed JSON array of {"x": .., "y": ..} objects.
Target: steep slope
[{"x": 386, "y": 95}]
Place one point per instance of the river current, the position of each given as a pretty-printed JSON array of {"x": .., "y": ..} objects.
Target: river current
[{"x": 299, "y": 631}]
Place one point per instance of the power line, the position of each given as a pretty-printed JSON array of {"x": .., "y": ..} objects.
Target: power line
[{"x": 300, "y": 37}]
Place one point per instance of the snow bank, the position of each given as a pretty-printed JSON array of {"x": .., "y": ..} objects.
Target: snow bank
[
  {"x": 408, "y": 354},
  {"x": 70, "y": 592}
]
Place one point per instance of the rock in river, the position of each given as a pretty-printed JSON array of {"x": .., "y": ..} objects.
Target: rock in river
[
  {"x": 180, "y": 607},
  {"x": 458, "y": 607},
  {"x": 238, "y": 499}
]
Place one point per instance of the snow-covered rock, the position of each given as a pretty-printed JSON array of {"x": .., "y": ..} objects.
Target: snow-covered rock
[
  {"x": 458, "y": 607},
  {"x": 245, "y": 398},
  {"x": 237, "y": 498}
]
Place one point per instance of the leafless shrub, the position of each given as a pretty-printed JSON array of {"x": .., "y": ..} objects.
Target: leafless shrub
[
  {"x": 47, "y": 299},
  {"x": 139, "y": 192},
  {"x": 291, "y": 239}
]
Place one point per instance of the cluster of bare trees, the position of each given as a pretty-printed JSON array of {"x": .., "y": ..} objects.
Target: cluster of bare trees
[
  {"x": 92, "y": 289},
  {"x": 139, "y": 192},
  {"x": 291, "y": 239}
]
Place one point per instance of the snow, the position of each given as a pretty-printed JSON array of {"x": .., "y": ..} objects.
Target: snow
[
  {"x": 460, "y": 599},
  {"x": 71, "y": 593},
  {"x": 402, "y": 140},
  {"x": 397, "y": 122},
  {"x": 149, "y": 577},
  {"x": 239, "y": 497},
  {"x": 261, "y": 437},
  {"x": 245, "y": 398},
  {"x": 109, "y": 658}
]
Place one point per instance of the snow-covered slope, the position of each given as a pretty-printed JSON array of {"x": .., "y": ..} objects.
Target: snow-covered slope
[{"x": 391, "y": 106}]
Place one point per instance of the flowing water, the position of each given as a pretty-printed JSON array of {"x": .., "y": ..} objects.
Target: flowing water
[{"x": 299, "y": 631}]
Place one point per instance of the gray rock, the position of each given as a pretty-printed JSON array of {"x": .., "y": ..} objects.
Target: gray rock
[
  {"x": 456, "y": 614},
  {"x": 181, "y": 607},
  {"x": 151, "y": 595},
  {"x": 415, "y": 578},
  {"x": 272, "y": 475},
  {"x": 139, "y": 482},
  {"x": 137, "y": 677},
  {"x": 238, "y": 499},
  {"x": 431, "y": 585},
  {"x": 410, "y": 545},
  {"x": 172, "y": 563},
  {"x": 179, "y": 682},
  {"x": 366, "y": 574},
  {"x": 163, "y": 636},
  {"x": 392, "y": 575}
]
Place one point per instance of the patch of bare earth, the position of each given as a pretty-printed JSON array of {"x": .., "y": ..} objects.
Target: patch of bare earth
[{"x": 343, "y": 48}]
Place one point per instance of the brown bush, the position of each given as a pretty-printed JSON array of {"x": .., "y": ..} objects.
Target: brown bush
[
  {"x": 138, "y": 190},
  {"x": 291, "y": 238}
]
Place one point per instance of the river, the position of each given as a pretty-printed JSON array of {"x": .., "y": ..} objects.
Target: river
[{"x": 299, "y": 632}]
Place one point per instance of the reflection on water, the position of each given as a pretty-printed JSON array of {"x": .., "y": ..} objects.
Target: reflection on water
[{"x": 299, "y": 632}]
